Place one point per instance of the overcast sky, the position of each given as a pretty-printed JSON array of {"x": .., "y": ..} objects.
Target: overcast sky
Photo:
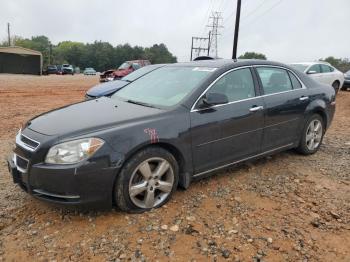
[{"x": 284, "y": 30}]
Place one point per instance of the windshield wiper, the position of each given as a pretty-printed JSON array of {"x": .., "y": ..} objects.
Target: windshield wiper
[{"x": 140, "y": 103}]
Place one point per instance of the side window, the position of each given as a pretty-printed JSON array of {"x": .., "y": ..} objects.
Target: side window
[
  {"x": 325, "y": 69},
  {"x": 331, "y": 69},
  {"x": 236, "y": 85},
  {"x": 295, "y": 82},
  {"x": 274, "y": 80},
  {"x": 135, "y": 66},
  {"x": 315, "y": 69}
]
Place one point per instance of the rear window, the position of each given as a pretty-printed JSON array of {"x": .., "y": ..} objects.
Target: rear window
[
  {"x": 295, "y": 82},
  {"x": 274, "y": 80}
]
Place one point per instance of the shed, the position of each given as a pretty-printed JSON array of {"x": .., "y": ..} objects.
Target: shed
[{"x": 19, "y": 60}]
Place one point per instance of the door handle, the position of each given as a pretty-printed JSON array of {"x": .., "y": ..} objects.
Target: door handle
[
  {"x": 303, "y": 98},
  {"x": 256, "y": 108}
]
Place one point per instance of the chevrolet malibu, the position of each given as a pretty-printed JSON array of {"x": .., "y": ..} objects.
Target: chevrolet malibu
[{"x": 178, "y": 123}]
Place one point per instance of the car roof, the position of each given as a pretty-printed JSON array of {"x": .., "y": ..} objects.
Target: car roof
[
  {"x": 219, "y": 63},
  {"x": 310, "y": 63}
]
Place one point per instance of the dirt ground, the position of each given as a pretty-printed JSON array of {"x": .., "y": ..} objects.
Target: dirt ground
[{"x": 286, "y": 207}]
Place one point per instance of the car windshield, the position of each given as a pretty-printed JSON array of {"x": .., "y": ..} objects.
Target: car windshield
[
  {"x": 140, "y": 72},
  {"x": 124, "y": 66},
  {"x": 299, "y": 67},
  {"x": 164, "y": 87}
]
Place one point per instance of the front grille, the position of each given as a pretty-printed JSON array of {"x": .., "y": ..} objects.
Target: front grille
[
  {"x": 29, "y": 142},
  {"x": 21, "y": 162}
]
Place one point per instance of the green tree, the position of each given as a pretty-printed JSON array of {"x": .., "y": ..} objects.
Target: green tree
[
  {"x": 342, "y": 64},
  {"x": 252, "y": 55},
  {"x": 159, "y": 54},
  {"x": 99, "y": 55}
]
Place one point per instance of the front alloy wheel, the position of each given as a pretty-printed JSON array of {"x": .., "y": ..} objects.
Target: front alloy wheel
[
  {"x": 151, "y": 183},
  {"x": 147, "y": 180}
]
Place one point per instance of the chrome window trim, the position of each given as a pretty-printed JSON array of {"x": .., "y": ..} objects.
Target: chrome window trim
[
  {"x": 23, "y": 145},
  {"x": 193, "y": 109}
]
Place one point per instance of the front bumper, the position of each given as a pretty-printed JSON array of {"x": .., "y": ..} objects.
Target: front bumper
[
  {"x": 347, "y": 82},
  {"x": 87, "y": 184}
]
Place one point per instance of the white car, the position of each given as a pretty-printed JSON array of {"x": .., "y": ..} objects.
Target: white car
[{"x": 322, "y": 72}]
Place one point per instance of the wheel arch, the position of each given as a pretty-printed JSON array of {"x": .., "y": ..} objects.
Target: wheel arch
[
  {"x": 319, "y": 107},
  {"x": 184, "y": 173}
]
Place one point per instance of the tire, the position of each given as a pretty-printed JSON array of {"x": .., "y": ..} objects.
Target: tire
[
  {"x": 311, "y": 139},
  {"x": 133, "y": 189},
  {"x": 336, "y": 86}
]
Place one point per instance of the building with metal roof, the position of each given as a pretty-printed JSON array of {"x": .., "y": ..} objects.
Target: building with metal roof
[{"x": 19, "y": 60}]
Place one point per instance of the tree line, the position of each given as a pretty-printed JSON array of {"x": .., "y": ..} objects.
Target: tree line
[{"x": 99, "y": 55}]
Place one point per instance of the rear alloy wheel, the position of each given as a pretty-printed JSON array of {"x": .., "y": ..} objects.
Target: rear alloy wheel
[
  {"x": 312, "y": 135},
  {"x": 336, "y": 86},
  {"x": 147, "y": 180}
]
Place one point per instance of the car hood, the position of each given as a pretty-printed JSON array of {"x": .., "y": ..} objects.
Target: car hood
[
  {"x": 89, "y": 116},
  {"x": 107, "y": 88}
]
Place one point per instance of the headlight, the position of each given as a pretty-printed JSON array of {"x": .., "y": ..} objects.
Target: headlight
[{"x": 73, "y": 151}]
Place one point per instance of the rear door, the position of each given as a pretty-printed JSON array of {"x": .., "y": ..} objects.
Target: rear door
[
  {"x": 285, "y": 103},
  {"x": 328, "y": 77},
  {"x": 226, "y": 133}
]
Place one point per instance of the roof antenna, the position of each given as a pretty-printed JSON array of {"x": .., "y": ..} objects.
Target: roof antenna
[{"x": 235, "y": 40}]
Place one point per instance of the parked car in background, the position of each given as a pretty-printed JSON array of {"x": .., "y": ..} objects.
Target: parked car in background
[
  {"x": 347, "y": 81},
  {"x": 123, "y": 70},
  {"x": 67, "y": 69},
  {"x": 175, "y": 124},
  {"x": 89, "y": 71},
  {"x": 322, "y": 72},
  {"x": 51, "y": 69},
  {"x": 109, "y": 88}
]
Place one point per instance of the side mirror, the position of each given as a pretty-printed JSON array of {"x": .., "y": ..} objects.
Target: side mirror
[
  {"x": 311, "y": 72},
  {"x": 212, "y": 99}
]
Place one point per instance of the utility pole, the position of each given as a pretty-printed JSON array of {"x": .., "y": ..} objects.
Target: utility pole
[
  {"x": 8, "y": 34},
  {"x": 198, "y": 48},
  {"x": 214, "y": 26},
  {"x": 50, "y": 53},
  {"x": 235, "y": 40}
]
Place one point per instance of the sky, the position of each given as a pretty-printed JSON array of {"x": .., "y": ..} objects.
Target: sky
[{"x": 283, "y": 30}]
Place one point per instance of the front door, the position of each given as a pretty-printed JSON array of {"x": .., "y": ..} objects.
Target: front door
[{"x": 226, "y": 133}]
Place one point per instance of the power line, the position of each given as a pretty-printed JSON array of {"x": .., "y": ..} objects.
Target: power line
[
  {"x": 199, "y": 49},
  {"x": 216, "y": 18},
  {"x": 244, "y": 21},
  {"x": 262, "y": 14}
]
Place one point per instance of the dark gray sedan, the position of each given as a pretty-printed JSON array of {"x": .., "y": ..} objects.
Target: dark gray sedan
[{"x": 178, "y": 123}]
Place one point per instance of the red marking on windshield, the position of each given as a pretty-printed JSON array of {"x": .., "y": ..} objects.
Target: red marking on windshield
[{"x": 152, "y": 134}]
